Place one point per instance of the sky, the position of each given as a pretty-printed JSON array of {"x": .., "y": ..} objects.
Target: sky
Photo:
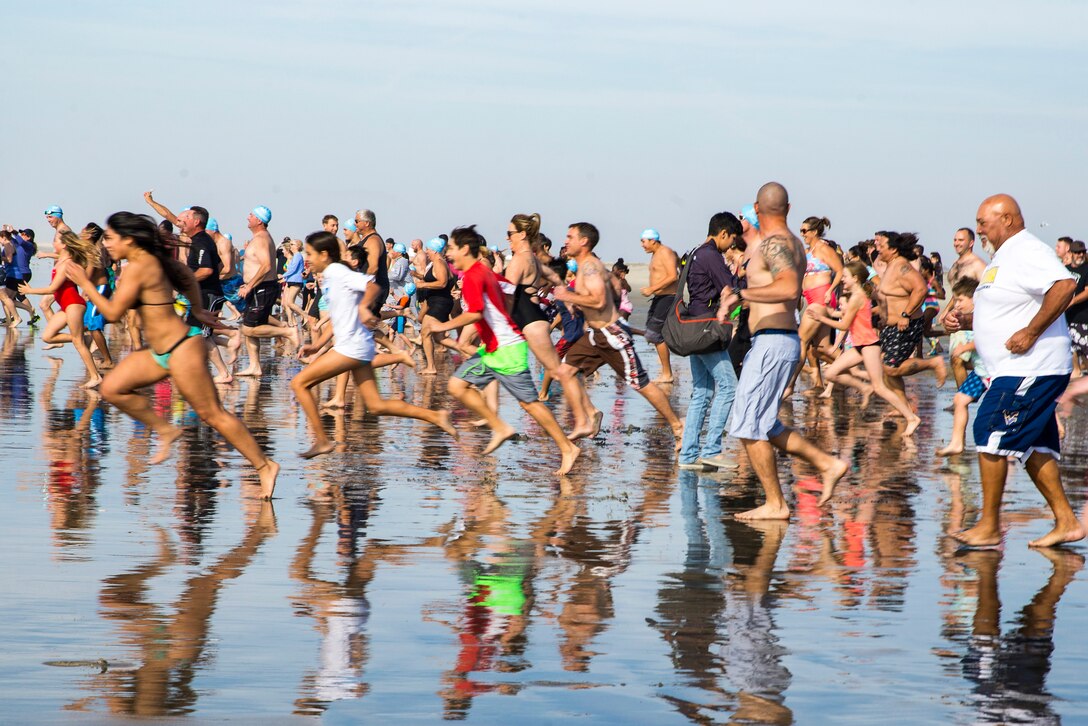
[{"x": 629, "y": 115}]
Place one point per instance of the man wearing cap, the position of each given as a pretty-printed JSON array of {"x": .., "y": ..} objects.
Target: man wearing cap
[
  {"x": 18, "y": 249},
  {"x": 261, "y": 290},
  {"x": 664, "y": 266},
  {"x": 1020, "y": 336},
  {"x": 1076, "y": 315},
  {"x": 398, "y": 270}
]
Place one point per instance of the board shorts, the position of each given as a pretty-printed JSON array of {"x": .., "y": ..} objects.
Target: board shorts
[
  {"x": 213, "y": 303},
  {"x": 1078, "y": 338},
  {"x": 655, "y": 319},
  {"x": 898, "y": 345},
  {"x": 509, "y": 365},
  {"x": 259, "y": 303},
  {"x": 972, "y": 386},
  {"x": 1016, "y": 416},
  {"x": 230, "y": 292},
  {"x": 613, "y": 346},
  {"x": 766, "y": 372},
  {"x": 93, "y": 319}
]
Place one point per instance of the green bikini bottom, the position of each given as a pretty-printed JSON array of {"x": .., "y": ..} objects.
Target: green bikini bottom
[{"x": 163, "y": 359}]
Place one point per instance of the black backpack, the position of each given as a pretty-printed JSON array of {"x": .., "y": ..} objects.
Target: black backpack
[{"x": 685, "y": 335}]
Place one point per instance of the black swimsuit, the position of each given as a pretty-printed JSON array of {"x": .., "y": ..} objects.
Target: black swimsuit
[
  {"x": 525, "y": 310},
  {"x": 440, "y": 300}
]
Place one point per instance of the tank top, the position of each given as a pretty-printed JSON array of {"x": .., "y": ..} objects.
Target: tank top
[{"x": 861, "y": 329}]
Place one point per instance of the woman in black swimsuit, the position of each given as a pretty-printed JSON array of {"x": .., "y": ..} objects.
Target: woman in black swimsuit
[
  {"x": 438, "y": 282},
  {"x": 150, "y": 278}
]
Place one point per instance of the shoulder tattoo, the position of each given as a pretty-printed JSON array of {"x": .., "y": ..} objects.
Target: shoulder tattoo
[
  {"x": 778, "y": 253},
  {"x": 592, "y": 267}
]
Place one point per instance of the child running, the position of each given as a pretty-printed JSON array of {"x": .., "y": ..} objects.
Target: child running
[
  {"x": 351, "y": 297},
  {"x": 977, "y": 381},
  {"x": 857, "y": 318},
  {"x": 504, "y": 355}
]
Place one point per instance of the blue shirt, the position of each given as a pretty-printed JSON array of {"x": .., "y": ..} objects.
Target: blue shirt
[
  {"x": 293, "y": 272},
  {"x": 708, "y": 275},
  {"x": 21, "y": 258}
]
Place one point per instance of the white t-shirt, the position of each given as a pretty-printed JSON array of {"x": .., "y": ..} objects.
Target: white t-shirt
[
  {"x": 344, "y": 289},
  {"x": 1009, "y": 295}
]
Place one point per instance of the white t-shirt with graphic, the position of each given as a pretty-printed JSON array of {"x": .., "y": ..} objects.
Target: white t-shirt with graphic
[
  {"x": 1009, "y": 294},
  {"x": 344, "y": 288}
]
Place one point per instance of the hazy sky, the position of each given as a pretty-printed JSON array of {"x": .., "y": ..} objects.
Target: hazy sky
[{"x": 626, "y": 114}]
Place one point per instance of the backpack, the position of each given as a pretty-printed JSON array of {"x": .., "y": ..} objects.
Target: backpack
[{"x": 684, "y": 335}]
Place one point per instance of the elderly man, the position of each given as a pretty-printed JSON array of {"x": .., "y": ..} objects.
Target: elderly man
[{"x": 1021, "y": 337}]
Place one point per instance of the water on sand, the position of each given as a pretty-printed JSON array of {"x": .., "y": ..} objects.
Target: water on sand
[{"x": 407, "y": 578}]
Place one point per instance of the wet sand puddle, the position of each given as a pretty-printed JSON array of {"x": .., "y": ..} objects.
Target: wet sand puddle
[{"x": 408, "y": 578}]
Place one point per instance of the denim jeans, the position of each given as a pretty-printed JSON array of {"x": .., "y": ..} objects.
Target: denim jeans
[{"x": 709, "y": 371}]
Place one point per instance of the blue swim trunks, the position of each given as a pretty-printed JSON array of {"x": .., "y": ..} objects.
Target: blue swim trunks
[
  {"x": 973, "y": 386},
  {"x": 1016, "y": 416}
]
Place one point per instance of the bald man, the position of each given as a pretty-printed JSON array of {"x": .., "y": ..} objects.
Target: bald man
[
  {"x": 775, "y": 267},
  {"x": 1021, "y": 337}
]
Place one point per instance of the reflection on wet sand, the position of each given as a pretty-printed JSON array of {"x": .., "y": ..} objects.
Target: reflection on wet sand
[{"x": 169, "y": 643}]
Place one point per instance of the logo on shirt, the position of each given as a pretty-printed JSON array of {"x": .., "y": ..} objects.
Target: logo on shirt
[
  {"x": 1011, "y": 417},
  {"x": 989, "y": 276}
]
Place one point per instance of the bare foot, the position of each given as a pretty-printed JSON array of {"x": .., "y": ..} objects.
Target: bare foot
[
  {"x": 866, "y": 396},
  {"x": 765, "y": 511},
  {"x": 318, "y": 450},
  {"x": 51, "y": 346},
  {"x": 429, "y": 372},
  {"x": 499, "y": 436},
  {"x": 292, "y": 335},
  {"x": 1060, "y": 535},
  {"x": 569, "y": 457},
  {"x": 106, "y": 365},
  {"x": 333, "y": 403},
  {"x": 678, "y": 433},
  {"x": 664, "y": 380},
  {"x": 542, "y": 396},
  {"x": 830, "y": 477},
  {"x": 478, "y": 423},
  {"x": 595, "y": 426},
  {"x": 228, "y": 378},
  {"x": 786, "y": 394},
  {"x": 251, "y": 372},
  {"x": 978, "y": 536},
  {"x": 950, "y": 450},
  {"x": 268, "y": 471},
  {"x": 406, "y": 358},
  {"x": 444, "y": 423},
  {"x": 166, "y": 445},
  {"x": 92, "y": 383},
  {"x": 912, "y": 425},
  {"x": 941, "y": 369}
]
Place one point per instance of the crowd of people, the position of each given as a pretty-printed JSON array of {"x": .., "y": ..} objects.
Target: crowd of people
[{"x": 798, "y": 307}]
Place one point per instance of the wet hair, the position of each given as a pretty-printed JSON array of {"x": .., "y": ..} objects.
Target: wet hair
[
  {"x": 326, "y": 242},
  {"x": 618, "y": 267},
  {"x": 905, "y": 244},
  {"x": 861, "y": 274},
  {"x": 970, "y": 233},
  {"x": 724, "y": 222},
  {"x": 156, "y": 240},
  {"x": 468, "y": 237},
  {"x": 820, "y": 224},
  {"x": 587, "y": 230},
  {"x": 94, "y": 232},
  {"x": 201, "y": 215},
  {"x": 529, "y": 224},
  {"x": 965, "y": 287},
  {"x": 330, "y": 218}
]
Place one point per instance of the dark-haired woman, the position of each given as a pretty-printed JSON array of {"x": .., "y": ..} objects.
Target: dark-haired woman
[
  {"x": 823, "y": 275},
  {"x": 174, "y": 348},
  {"x": 351, "y": 296}
]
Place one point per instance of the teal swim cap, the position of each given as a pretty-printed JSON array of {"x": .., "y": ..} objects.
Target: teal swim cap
[
  {"x": 437, "y": 244},
  {"x": 212, "y": 225},
  {"x": 350, "y": 226},
  {"x": 54, "y": 211},
  {"x": 263, "y": 213},
  {"x": 749, "y": 213},
  {"x": 410, "y": 288},
  {"x": 572, "y": 265}
]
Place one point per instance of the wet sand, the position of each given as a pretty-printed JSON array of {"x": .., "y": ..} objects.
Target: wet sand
[{"x": 409, "y": 579}]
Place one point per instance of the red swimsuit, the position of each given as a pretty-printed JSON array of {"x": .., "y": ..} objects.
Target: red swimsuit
[{"x": 67, "y": 294}]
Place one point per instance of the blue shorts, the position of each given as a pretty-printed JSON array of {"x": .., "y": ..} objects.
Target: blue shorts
[
  {"x": 973, "y": 386},
  {"x": 92, "y": 318},
  {"x": 1016, "y": 416},
  {"x": 767, "y": 370}
]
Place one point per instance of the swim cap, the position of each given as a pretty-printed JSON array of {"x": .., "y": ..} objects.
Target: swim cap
[
  {"x": 437, "y": 245},
  {"x": 350, "y": 226},
  {"x": 54, "y": 211},
  {"x": 572, "y": 265},
  {"x": 398, "y": 247},
  {"x": 228, "y": 236},
  {"x": 263, "y": 213},
  {"x": 212, "y": 225},
  {"x": 651, "y": 234},
  {"x": 749, "y": 213},
  {"x": 410, "y": 288}
]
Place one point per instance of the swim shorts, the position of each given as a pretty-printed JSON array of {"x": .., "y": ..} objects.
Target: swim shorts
[
  {"x": 1016, "y": 416},
  {"x": 898, "y": 345},
  {"x": 766, "y": 372},
  {"x": 1078, "y": 337},
  {"x": 259, "y": 303},
  {"x": 92, "y": 318},
  {"x": 509, "y": 365},
  {"x": 655, "y": 319},
  {"x": 973, "y": 386},
  {"x": 613, "y": 346}
]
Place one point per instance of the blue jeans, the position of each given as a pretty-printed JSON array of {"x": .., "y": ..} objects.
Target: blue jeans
[{"x": 709, "y": 371}]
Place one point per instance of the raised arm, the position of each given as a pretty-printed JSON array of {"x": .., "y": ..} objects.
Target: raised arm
[{"x": 160, "y": 209}]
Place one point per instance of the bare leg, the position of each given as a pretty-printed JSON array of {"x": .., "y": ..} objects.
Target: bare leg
[
  {"x": 326, "y": 366},
  {"x": 831, "y": 469},
  {"x": 994, "y": 470},
  {"x": 538, "y": 337},
  {"x": 897, "y": 400},
  {"x": 666, "y": 364},
  {"x": 761, "y": 455},
  {"x": 471, "y": 399},
  {"x": 119, "y": 386},
  {"x": 1043, "y": 470},
  {"x": 660, "y": 402},
  {"x": 103, "y": 347},
  {"x": 378, "y": 406},
  {"x": 567, "y": 449},
  {"x": 960, "y": 416}
]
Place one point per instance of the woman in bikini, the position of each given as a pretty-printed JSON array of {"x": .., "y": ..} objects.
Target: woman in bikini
[
  {"x": 823, "y": 274},
  {"x": 175, "y": 349},
  {"x": 864, "y": 344},
  {"x": 79, "y": 253}
]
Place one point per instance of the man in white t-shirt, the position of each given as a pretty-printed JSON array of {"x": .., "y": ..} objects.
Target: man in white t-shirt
[{"x": 1021, "y": 336}]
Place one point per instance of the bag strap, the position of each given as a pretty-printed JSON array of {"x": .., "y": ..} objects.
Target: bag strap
[{"x": 682, "y": 284}]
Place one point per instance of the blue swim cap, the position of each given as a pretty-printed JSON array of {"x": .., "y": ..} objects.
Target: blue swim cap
[
  {"x": 572, "y": 265},
  {"x": 228, "y": 236},
  {"x": 350, "y": 226},
  {"x": 263, "y": 213},
  {"x": 212, "y": 225},
  {"x": 410, "y": 288},
  {"x": 54, "y": 211},
  {"x": 650, "y": 233},
  {"x": 437, "y": 244},
  {"x": 749, "y": 213},
  {"x": 399, "y": 247}
]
